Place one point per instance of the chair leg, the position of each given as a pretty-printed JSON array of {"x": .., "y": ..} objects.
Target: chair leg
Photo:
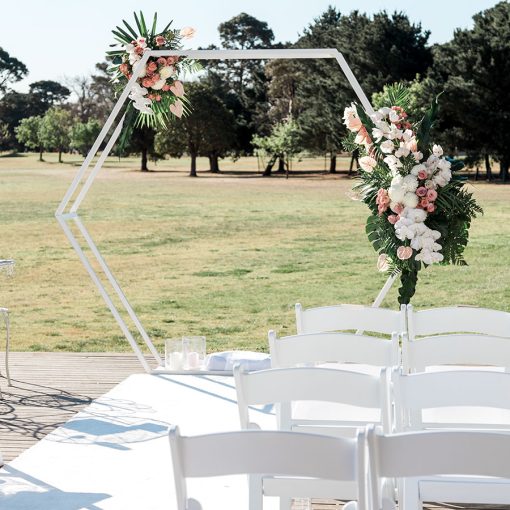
[
  {"x": 5, "y": 313},
  {"x": 411, "y": 495},
  {"x": 255, "y": 489}
]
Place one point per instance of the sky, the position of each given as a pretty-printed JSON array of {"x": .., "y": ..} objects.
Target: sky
[{"x": 65, "y": 38}]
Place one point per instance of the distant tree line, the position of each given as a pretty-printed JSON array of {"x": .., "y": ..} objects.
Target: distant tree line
[{"x": 282, "y": 108}]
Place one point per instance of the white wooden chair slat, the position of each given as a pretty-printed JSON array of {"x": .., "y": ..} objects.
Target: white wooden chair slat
[
  {"x": 458, "y": 319},
  {"x": 333, "y": 347},
  {"x": 271, "y": 453},
  {"x": 348, "y": 317}
]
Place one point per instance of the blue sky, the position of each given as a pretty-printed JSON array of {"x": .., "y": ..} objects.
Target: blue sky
[{"x": 57, "y": 38}]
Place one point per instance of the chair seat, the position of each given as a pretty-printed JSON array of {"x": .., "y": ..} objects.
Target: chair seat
[{"x": 309, "y": 488}]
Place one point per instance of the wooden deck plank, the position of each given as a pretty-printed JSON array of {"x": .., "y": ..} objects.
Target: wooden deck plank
[{"x": 49, "y": 388}]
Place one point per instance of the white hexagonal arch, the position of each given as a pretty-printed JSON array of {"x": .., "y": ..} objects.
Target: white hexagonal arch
[{"x": 67, "y": 211}]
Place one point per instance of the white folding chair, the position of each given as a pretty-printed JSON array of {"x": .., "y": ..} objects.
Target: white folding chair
[
  {"x": 350, "y": 317},
  {"x": 343, "y": 348},
  {"x": 272, "y": 454},
  {"x": 344, "y": 391},
  {"x": 458, "y": 335},
  {"x": 431, "y": 453},
  {"x": 457, "y": 400}
]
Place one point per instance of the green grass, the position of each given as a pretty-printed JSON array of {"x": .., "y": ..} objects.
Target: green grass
[{"x": 226, "y": 256}]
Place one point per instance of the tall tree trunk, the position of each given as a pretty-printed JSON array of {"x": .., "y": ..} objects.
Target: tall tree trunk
[
  {"x": 281, "y": 164},
  {"x": 213, "y": 163},
  {"x": 144, "y": 167},
  {"x": 269, "y": 166},
  {"x": 193, "y": 169},
  {"x": 354, "y": 159},
  {"x": 60, "y": 156},
  {"x": 488, "y": 168},
  {"x": 503, "y": 169},
  {"x": 40, "y": 153},
  {"x": 332, "y": 164},
  {"x": 477, "y": 174}
]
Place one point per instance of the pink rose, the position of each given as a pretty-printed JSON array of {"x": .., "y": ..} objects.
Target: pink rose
[
  {"x": 187, "y": 32},
  {"x": 158, "y": 98},
  {"x": 172, "y": 60},
  {"x": 421, "y": 191},
  {"x": 422, "y": 174},
  {"x": 404, "y": 252},
  {"x": 152, "y": 66},
  {"x": 165, "y": 88},
  {"x": 424, "y": 203},
  {"x": 431, "y": 208},
  {"x": 431, "y": 195},
  {"x": 147, "y": 82},
  {"x": 124, "y": 68},
  {"x": 139, "y": 50},
  {"x": 162, "y": 61},
  {"x": 393, "y": 218},
  {"x": 397, "y": 208},
  {"x": 160, "y": 40}
]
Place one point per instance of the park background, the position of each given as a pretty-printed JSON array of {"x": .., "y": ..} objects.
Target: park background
[{"x": 228, "y": 254}]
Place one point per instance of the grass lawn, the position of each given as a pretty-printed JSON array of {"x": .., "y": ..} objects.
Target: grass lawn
[{"x": 225, "y": 256}]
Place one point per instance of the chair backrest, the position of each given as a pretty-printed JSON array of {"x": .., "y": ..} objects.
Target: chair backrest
[
  {"x": 349, "y": 317},
  {"x": 456, "y": 336},
  {"x": 283, "y": 385},
  {"x": 428, "y": 453},
  {"x": 271, "y": 453},
  {"x": 333, "y": 347},
  {"x": 414, "y": 393}
]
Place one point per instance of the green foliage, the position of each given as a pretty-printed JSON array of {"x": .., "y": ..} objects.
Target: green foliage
[
  {"x": 54, "y": 130},
  {"x": 11, "y": 70},
  {"x": 28, "y": 132},
  {"x": 83, "y": 135},
  {"x": 283, "y": 140}
]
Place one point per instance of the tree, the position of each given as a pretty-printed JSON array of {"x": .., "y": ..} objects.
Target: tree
[
  {"x": 14, "y": 106},
  {"x": 54, "y": 130},
  {"x": 49, "y": 93},
  {"x": 11, "y": 70},
  {"x": 473, "y": 70},
  {"x": 282, "y": 143},
  {"x": 206, "y": 131},
  {"x": 28, "y": 133},
  {"x": 5, "y": 137},
  {"x": 83, "y": 135}
]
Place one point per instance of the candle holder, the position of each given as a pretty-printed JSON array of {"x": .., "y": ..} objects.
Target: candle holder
[
  {"x": 174, "y": 354},
  {"x": 194, "y": 348}
]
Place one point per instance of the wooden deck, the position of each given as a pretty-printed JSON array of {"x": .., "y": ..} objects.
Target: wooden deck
[{"x": 49, "y": 388}]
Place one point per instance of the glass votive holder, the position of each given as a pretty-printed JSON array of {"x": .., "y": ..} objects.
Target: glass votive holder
[
  {"x": 174, "y": 354},
  {"x": 193, "y": 352}
]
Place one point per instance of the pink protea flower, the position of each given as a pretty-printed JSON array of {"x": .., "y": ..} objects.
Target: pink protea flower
[
  {"x": 431, "y": 195},
  {"x": 152, "y": 66},
  {"x": 431, "y": 208},
  {"x": 422, "y": 174},
  {"x": 404, "y": 252},
  {"x": 160, "y": 40},
  {"x": 421, "y": 191},
  {"x": 393, "y": 218}
]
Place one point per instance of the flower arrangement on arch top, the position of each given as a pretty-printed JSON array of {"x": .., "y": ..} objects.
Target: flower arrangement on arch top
[
  {"x": 158, "y": 94},
  {"x": 420, "y": 209}
]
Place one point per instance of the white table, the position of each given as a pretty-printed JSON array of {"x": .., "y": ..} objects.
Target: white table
[{"x": 115, "y": 454}]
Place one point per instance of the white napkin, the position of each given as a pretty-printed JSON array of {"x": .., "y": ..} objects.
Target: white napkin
[{"x": 224, "y": 361}]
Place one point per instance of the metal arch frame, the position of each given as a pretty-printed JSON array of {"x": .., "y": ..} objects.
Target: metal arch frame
[{"x": 67, "y": 211}]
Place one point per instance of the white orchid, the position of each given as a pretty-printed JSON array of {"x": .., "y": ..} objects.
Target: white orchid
[
  {"x": 437, "y": 150},
  {"x": 402, "y": 151},
  {"x": 393, "y": 162},
  {"x": 387, "y": 147},
  {"x": 394, "y": 116},
  {"x": 418, "y": 156}
]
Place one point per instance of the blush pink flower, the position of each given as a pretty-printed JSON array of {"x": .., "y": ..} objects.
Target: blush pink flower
[
  {"x": 397, "y": 208},
  {"x": 404, "y": 252},
  {"x": 393, "y": 218},
  {"x": 431, "y": 208},
  {"x": 147, "y": 82},
  {"x": 152, "y": 66},
  {"x": 160, "y": 40},
  {"x": 165, "y": 88},
  {"x": 382, "y": 200},
  {"x": 424, "y": 203},
  {"x": 431, "y": 195},
  {"x": 421, "y": 191},
  {"x": 172, "y": 60},
  {"x": 177, "y": 108},
  {"x": 422, "y": 174},
  {"x": 177, "y": 88},
  {"x": 161, "y": 61},
  {"x": 187, "y": 32}
]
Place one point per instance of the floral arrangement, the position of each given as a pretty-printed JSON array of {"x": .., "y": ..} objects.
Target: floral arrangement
[
  {"x": 420, "y": 211},
  {"x": 158, "y": 92}
]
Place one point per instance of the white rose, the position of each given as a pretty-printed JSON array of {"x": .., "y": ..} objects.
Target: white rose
[
  {"x": 166, "y": 71},
  {"x": 158, "y": 85}
]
